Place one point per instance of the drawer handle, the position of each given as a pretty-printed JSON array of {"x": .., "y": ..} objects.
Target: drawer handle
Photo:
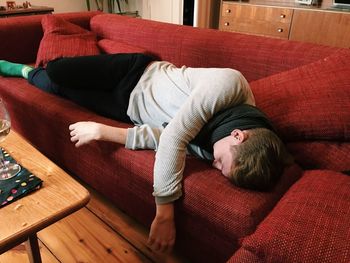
[
  {"x": 280, "y": 30},
  {"x": 282, "y": 15},
  {"x": 228, "y": 11},
  {"x": 227, "y": 24}
]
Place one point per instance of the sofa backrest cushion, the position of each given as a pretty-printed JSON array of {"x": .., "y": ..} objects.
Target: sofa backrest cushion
[
  {"x": 256, "y": 57},
  {"x": 321, "y": 155},
  {"x": 26, "y": 31},
  {"x": 113, "y": 47},
  {"x": 64, "y": 39},
  {"x": 311, "y": 102}
]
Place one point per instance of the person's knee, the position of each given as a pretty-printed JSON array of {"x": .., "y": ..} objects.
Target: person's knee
[
  {"x": 53, "y": 70},
  {"x": 39, "y": 78}
]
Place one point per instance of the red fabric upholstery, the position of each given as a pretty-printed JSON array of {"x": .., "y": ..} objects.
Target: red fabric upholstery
[
  {"x": 311, "y": 223},
  {"x": 64, "y": 39},
  {"x": 22, "y": 44},
  {"x": 322, "y": 155},
  {"x": 255, "y": 57},
  {"x": 309, "y": 102},
  {"x": 212, "y": 217},
  {"x": 214, "y": 213},
  {"x": 211, "y": 203},
  {"x": 246, "y": 256},
  {"x": 114, "y": 47}
]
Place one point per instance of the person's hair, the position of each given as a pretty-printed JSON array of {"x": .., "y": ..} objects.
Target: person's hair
[{"x": 259, "y": 160}]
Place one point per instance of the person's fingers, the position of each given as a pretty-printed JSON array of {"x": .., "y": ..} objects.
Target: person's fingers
[
  {"x": 72, "y": 126},
  {"x": 150, "y": 240},
  {"x": 163, "y": 247},
  {"x": 156, "y": 246},
  {"x": 170, "y": 246}
]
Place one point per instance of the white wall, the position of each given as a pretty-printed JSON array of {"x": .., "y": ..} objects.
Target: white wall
[
  {"x": 163, "y": 10},
  {"x": 64, "y": 6}
]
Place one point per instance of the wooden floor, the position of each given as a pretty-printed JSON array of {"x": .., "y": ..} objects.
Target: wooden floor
[{"x": 97, "y": 233}]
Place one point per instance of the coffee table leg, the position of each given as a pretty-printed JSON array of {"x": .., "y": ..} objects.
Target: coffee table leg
[{"x": 33, "y": 250}]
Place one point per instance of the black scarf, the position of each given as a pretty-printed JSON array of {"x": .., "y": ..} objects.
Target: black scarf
[{"x": 243, "y": 117}]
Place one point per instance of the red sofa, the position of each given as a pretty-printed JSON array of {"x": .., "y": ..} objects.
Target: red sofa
[{"x": 303, "y": 88}]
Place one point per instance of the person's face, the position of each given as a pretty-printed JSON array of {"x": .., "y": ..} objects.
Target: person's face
[{"x": 223, "y": 155}]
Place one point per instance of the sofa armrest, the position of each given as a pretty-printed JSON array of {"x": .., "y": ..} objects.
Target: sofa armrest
[
  {"x": 20, "y": 36},
  {"x": 310, "y": 223}
]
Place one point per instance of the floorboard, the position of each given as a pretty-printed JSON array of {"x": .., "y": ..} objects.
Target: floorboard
[
  {"x": 19, "y": 255},
  {"x": 97, "y": 233}
]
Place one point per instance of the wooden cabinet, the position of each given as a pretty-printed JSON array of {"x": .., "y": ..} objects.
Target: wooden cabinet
[
  {"x": 326, "y": 28},
  {"x": 253, "y": 19},
  {"x": 314, "y": 25}
]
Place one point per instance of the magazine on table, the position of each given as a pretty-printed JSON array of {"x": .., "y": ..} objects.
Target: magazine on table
[{"x": 23, "y": 183}]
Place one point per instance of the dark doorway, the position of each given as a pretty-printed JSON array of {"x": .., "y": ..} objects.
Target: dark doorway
[{"x": 188, "y": 12}]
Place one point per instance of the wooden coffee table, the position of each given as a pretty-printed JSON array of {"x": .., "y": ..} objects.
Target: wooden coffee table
[{"x": 59, "y": 197}]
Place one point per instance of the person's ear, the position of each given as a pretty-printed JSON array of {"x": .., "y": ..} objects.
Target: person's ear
[{"x": 239, "y": 136}]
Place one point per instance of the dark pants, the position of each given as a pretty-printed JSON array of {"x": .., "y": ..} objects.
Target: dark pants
[{"x": 101, "y": 83}]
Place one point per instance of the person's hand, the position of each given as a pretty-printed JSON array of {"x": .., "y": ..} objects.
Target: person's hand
[
  {"x": 162, "y": 233},
  {"x": 84, "y": 132}
]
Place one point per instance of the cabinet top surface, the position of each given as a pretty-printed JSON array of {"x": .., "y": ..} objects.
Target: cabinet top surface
[{"x": 26, "y": 10}]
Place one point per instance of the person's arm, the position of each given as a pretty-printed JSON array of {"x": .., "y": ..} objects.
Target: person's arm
[
  {"x": 162, "y": 233},
  {"x": 204, "y": 101},
  {"x": 138, "y": 137},
  {"x": 143, "y": 137},
  {"x": 202, "y": 104},
  {"x": 86, "y": 131}
]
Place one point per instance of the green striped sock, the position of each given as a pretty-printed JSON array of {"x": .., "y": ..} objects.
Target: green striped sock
[{"x": 14, "y": 69}]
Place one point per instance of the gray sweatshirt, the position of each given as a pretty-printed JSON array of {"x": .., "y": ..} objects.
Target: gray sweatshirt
[{"x": 185, "y": 98}]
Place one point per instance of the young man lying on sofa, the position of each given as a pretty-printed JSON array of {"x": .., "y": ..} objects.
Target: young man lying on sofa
[{"x": 208, "y": 111}]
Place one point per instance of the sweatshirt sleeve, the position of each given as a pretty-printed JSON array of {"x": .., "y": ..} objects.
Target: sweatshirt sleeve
[
  {"x": 204, "y": 101},
  {"x": 143, "y": 137}
]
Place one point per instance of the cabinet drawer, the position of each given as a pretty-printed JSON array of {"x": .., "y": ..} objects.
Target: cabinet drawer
[
  {"x": 251, "y": 12},
  {"x": 280, "y": 30},
  {"x": 269, "y": 21}
]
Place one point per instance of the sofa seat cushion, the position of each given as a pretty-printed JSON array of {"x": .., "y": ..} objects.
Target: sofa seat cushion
[
  {"x": 321, "y": 155},
  {"x": 311, "y": 102},
  {"x": 309, "y": 224},
  {"x": 64, "y": 39},
  {"x": 214, "y": 213},
  {"x": 114, "y": 47}
]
